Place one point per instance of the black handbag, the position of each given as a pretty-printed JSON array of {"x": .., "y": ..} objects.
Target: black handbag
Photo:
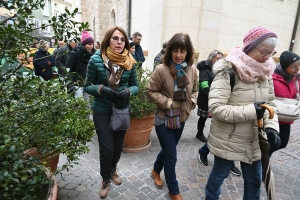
[{"x": 120, "y": 119}]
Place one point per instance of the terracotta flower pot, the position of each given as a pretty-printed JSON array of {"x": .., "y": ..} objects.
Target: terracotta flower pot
[
  {"x": 137, "y": 137},
  {"x": 51, "y": 159},
  {"x": 51, "y": 193}
]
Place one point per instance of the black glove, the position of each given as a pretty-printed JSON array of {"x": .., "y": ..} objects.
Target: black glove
[
  {"x": 273, "y": 138},
  {"x": 259, "y": 110},
  {"x": 109, "y": 93},
  {"x": 123, "y": 94}
]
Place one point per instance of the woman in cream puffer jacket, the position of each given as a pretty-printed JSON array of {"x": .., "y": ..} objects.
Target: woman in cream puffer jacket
[{"x": 234, "y": 132}]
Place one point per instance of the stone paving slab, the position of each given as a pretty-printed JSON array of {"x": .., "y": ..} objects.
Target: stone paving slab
[{"x": 82, "y": 182}]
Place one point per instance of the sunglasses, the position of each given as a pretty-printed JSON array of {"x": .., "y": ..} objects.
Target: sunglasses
[
  {"x": 117, "y": 39},
  {"x": 265, "y": 53}
]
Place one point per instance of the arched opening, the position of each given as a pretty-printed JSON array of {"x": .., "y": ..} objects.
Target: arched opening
[{"x": 113, "y": 18}]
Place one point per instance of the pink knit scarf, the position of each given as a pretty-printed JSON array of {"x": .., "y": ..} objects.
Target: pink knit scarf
[{"x": 250, "y": 70}]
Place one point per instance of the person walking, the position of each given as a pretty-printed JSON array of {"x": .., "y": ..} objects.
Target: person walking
[
  {"x": 43, "y": 61},
  {"x": 233, "y": 132},
  {"x": 113, "y": 56},
  {"x": 284, "y": 77},
  {"x": 139, "y": 54},
  {"x": 205, "y": 79},
  {"x": 173, "y": 88},
  {"x": 158, "y": 57},
  {"x": 77, "y": 62},
  {"x": 62, "y": 57}
]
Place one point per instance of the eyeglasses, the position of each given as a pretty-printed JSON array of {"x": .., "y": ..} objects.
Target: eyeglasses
[
  {"x": 117, "y": 39},
  {"x": 265, "y": 53},
  {"x": 294, "y": 68}
]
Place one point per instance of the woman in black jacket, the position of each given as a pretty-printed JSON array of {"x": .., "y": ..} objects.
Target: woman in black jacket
[
  {"x": 43, "y": 61},
  {"x": 77, "y": 62},
  {"x": 205, "y": 79}
]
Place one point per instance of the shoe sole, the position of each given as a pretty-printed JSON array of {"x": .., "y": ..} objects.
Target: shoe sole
[
  {"x": 235, "y": 173},
  {"x": 157, "y": 186},
  {"x": 201, "y": 161}
]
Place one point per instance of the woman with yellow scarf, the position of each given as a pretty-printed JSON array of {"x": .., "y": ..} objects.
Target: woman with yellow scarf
[{"x": 111, "y": 78}]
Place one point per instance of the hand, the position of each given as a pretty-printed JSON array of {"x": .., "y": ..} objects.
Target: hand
[
  {"x": 109, "y": 93},
  {"x": 259, "y": 110},
  {"x": 273, "y": 138},
  {"x": 123, "y": 94}
]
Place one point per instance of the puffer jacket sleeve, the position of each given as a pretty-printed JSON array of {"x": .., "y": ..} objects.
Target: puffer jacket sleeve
[
  {"x": 154, "y": 88},
  {"x": 271, "y": 123},
  {"x": 90, "y": 85},
  {"x": 218, "y": 102}
]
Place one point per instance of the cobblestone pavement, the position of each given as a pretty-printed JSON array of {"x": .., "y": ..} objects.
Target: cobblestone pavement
[{"x": 82, "y": 182}]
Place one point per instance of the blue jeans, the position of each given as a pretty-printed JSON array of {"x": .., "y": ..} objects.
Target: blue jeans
[
  {"x": 167, "y": 157},
  {"x": 252, "y": 174},
  {"x": 204, "y": 149}
]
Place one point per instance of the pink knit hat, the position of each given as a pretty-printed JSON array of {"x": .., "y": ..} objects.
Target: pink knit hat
[
  {"x": 86, "y": 38},
  {"x": 256, "y": 36}
]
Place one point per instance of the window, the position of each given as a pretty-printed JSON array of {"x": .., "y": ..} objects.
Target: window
[
  {"x": 37, "y": 24},
  {"x": 56, "y": 13}
]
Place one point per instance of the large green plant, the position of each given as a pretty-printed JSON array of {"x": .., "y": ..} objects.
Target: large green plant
[
  {"x": 140, "y": 105},
  {"x": 35, "y": 113}
]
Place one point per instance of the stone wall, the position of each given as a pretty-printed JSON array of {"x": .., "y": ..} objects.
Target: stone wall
[{"x": 102, "y": 14}]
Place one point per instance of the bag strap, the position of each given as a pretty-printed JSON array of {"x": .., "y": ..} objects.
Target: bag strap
[{"x": 297, "y": 88}]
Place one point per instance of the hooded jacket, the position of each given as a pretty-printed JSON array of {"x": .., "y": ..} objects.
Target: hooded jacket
[
  {"x": 284, "y": 89},
  {"x": 77, "y": 62},
  {"x": 233, "y": 131},
  {"x": 205, "y": 79}
]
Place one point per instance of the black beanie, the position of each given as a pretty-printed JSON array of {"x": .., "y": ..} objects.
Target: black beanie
[
  {"x": 131, "y": 43},
  {"x": 287, "y": 58}
]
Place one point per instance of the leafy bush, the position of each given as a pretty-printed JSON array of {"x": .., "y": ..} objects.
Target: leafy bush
[
  {"x": 35, "y": 113},
  {"x": 140, "y": 105}
]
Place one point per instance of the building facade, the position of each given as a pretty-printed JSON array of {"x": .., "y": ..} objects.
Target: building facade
[{"x": 211, "y": 24}]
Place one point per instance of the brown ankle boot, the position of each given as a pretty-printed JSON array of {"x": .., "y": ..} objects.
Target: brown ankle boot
[
  {"x": 104, "y": 189},
  {"x": 157, "y": 180},
  {"x": 175, "y": 197},
  {"x": 116, "y": 178}
]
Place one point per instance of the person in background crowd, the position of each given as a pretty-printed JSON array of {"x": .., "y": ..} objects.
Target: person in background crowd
[
  {"x": 132, "y": 49},
  {"x": 284, "y": 78},
  {"x": 158, "y": 57},
  {"x": 62, "y": 56},
  {"x": 35, "y": 42},
  {"x": 205, "y": 79},
  {"x": 43, "y": 61},
  {"x": 113, "y": 56},
  {"x": 78, "y": 60},
  {"x": 139, "y": 55},
  {"x": 59, "y": 45},
  {"x": 97, "y": 45},
  {"x": 233, "y": 132},
  {"x": 173, "y": 85}
]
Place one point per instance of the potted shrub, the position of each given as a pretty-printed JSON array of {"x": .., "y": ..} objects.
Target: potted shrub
[
  {"x": 35, "y": 113},
  {"x": 142, "y": 110}
]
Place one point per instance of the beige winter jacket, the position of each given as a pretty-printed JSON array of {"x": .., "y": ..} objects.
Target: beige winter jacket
[
  {"x": 161, "y": 87},
  {"x": 233, "y": 131}
]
